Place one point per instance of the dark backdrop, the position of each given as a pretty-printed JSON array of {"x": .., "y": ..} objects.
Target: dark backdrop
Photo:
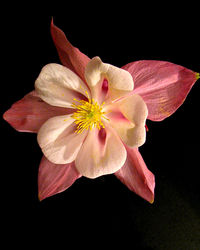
[{"x": 93, "y": 212}]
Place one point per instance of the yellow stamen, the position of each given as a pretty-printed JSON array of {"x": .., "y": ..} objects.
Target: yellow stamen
[
  {"x": 197, "y": 76},
  {"x": 88, "y": 114}
]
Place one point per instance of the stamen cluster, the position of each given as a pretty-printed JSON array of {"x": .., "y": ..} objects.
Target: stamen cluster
[{"x": 88, "y": 115}]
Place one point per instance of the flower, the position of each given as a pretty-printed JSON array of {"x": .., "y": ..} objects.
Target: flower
[{"x": 90, "y": 116}]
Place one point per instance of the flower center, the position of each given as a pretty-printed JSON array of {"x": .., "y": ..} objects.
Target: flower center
[{"x": 88, "y": 115}]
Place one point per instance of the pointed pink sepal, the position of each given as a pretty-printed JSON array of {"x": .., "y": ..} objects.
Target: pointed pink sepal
[
  {"x": 136, "y": 176},
  {"x": 55, "y": 178},
  {"x": 163, "y": 85},
  {"x": 70, "y": 56},
  {"x": 29, "y": 113}
]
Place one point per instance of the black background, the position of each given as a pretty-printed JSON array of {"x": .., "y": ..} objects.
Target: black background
[{"x": 103, "y": 211}]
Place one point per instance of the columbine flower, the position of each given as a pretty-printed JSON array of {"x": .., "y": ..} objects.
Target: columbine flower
[{"x": 90, "y": 116}]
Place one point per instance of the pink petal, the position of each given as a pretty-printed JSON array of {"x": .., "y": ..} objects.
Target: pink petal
[
  {"x": 163, "y": 85},
  {"x": 53, "y": 178},
  {"x": 70, "y": 56},
  {"x": 29, "y": 113},
  {"x": 136, "y": 176}
]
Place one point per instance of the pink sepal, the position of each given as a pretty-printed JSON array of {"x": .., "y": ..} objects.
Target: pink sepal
[
  {"x": 136, "y": 176},
  {"x": 70, "y": 56},
  {"x": 29, "y": 113},
  {"x": 163, "y": 85},
  {"x": 55, "y": 178}
]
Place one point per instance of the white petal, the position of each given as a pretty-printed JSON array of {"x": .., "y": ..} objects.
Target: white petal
[
  {"x": 128, "y": 116},
  {"x": 58, "y": 85},
  {"x": 120, "y": 81},
  {"x": 101, "y": 153},
  {"x": 58, "y": 140}
]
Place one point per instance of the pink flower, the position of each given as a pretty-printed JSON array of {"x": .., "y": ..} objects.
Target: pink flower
[{"x": 90, "y": 116}]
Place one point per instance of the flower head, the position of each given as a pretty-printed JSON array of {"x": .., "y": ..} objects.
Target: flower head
[{"x": 90, "y": 116}]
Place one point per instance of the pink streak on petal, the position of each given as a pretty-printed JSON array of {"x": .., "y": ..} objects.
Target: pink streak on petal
[
  {"x": 102, "y": 136},
  {"x": 54, "y": 178},
  {"x": 163, "y": 85},
  {"x": 70, "y": 56},
  {"x": 104, "y": 87},
  {"x": 117, "y": 116},
  {"x": 29, "y": 113},
  {"x": 136, "y": 176}
]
